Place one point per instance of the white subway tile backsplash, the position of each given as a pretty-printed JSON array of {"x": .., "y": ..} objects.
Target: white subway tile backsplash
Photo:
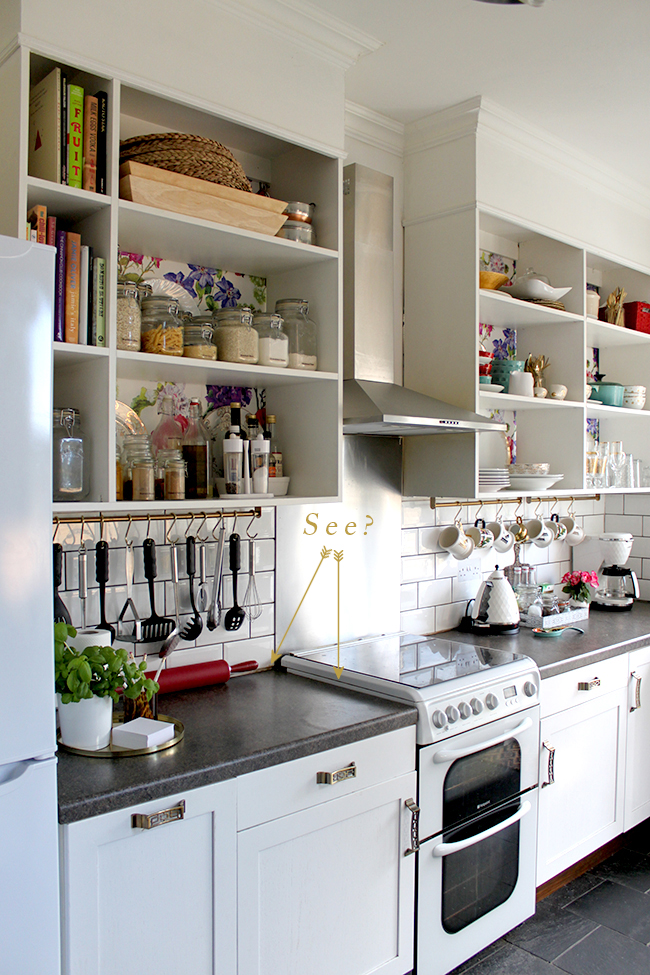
[
  {"x": 446, "y": 566},
  {"x": 417, "y": 514},
  {"x": 410, "y": 539},
  {"x": 641, "y": 547},
  {"x": 433, "y": 592},
  {"x": 417, "y": 567},
  {"x": 449, "y": 616},
  {"x": 419, "y": 621},
  {"x": 428, "y": 540},
  {"x": 624, "y": 523},
  {"x": 633, "y": 504},
  {"x": 614, "y": 503},
  {"x": 409, "y": 596}
]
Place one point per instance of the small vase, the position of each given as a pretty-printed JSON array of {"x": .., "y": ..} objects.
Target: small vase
[{"x": 86, "y": 724}]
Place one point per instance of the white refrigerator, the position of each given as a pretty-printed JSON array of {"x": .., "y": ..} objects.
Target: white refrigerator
[{"x": 29, "y": 882}]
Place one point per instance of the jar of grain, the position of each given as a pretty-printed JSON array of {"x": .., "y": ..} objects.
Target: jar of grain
[
  {"x": 175, "y": 479},
  {"x": 162, "y": 328},
  {"x": 197, "y": 342},
  {"x": 274, "y": 342},
  {"x": 129, "y": 314},
  {"x": 301, "y": 331},
  {"x": 234, "y": 336},
  {"x": 143, "y": 477}
]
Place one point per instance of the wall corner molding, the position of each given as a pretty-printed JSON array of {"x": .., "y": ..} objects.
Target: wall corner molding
[{"x": 374, "y": 129}]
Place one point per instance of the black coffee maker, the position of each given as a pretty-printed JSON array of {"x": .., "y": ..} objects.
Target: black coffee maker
[{"x": 614, "y": 593}]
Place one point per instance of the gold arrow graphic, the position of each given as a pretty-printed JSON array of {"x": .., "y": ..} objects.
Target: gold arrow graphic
[
  {"x": 324, "y": 554},
  {"x": 338, "y": 670}
]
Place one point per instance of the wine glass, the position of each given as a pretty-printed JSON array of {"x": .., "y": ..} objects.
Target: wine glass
[{"x": 616, "y": 460}]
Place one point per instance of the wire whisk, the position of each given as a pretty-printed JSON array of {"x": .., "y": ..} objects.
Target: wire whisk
[{"x": 251, "y": 603}]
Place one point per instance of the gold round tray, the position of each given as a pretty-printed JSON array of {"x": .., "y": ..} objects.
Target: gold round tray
[{"x": 117, "y": 751}]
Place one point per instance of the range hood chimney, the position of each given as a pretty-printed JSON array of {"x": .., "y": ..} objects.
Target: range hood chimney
[{"x": 373, "y": 402}]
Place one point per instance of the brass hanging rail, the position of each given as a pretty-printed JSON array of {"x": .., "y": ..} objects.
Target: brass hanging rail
[
  {"x": 511, "y": 499},
  {"x": 105, "y": 519}
]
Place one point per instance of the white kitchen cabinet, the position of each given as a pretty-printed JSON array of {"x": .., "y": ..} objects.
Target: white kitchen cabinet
[
  {"x": 161, "y": 899},
  {"x": 637, "y": 768},
  {"x": 443, "y": 308},
  {"x": 307, "y": 404},
  {"x": 324, "y": 886},
  {"x": 582, "y": 763}
]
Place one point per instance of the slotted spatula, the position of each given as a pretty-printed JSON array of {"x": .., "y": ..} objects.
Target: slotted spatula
[{"x": 155, "y": 627}]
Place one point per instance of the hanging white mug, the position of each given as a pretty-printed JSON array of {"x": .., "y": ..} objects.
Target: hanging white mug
[
  {"x": 574, "y": 533},
  {"x": 503, "y": 537},
  {"x": 539, "y": 533},
  {"x": 456, "y": 542},
  {"x": 480, "y": 535}
]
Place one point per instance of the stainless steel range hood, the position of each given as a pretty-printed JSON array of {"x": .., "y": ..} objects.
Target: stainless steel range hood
[{"x": 373, "y": 403}]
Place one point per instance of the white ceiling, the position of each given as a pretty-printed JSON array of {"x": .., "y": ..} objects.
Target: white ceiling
[{"x": 578, "y": 68}]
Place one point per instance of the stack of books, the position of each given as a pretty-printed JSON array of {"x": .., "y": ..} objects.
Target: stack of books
[
  {"x": 79, "y": 281},
  {"x": 67, "y": 133}
]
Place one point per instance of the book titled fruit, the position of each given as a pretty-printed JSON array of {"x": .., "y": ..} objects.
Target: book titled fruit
[
  {"x": 89, "y": 174},
  {"x": 72, "y": 285},
  {"x": 44, "y": 157},
  {"x": 75, "y": 135}
]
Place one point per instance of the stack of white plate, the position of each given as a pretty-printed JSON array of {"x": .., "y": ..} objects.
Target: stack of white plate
[
  {"x": 493, "y": 478},
  {"x": 534, "y": 482}
]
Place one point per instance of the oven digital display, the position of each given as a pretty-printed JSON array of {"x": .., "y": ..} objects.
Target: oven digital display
[{"x": 509, "y": 692}]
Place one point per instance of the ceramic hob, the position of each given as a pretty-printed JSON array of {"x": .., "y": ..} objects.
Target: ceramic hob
[{"x": 455, "y": 686}]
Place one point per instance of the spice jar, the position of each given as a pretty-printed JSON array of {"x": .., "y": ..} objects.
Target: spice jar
[
  {"x": 162, "y": 328},
  {"x": 70, "y": 468},
  {"x": 301, "y": 331},
  {"x": 274, "y": 342},
  {"x": 135, "y": 446},
  {"x": 143, "y": 478},
  {"x": 129, "y": 314},
  {"x": 234, "y": 336},
  {"x": 174, "y": 471},
  {"x": 197, "y": 341}
]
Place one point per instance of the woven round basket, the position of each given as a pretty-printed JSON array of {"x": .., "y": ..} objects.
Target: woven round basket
[{"x": 191, "y": 155}]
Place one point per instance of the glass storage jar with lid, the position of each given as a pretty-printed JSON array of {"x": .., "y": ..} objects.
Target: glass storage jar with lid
[
  {"x": 197, "y": 341},
  {"x": 274, "y": 341},
  {"x": 301, "y": 331},
  {"x": 135, "y": 447},
  {"x": 70, "y": 466},
  {"x": 234, "y": 336},
  {"x": 129, "y": 314},
  {"x": 162, "y": 328}
]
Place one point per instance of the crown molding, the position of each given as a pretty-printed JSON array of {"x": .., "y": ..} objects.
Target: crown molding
[
  {"x": 482, "y": 118},
  {"x": 374, "y": 129},
  {"x": 328, "y": 37}
]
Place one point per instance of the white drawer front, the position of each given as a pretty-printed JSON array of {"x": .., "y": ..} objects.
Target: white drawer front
[
  {"x": 564, "y": 691},
  {"x": 283, "y": 789}
]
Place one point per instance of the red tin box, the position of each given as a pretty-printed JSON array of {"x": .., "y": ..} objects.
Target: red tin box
[{"x": 637, "y": 315}]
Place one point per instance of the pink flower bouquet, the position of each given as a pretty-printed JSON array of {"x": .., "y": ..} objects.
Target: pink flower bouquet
[{"x": 576, "y": 585}]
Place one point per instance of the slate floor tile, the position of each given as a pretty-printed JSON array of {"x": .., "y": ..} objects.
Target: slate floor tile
[
  {"x": 618, "y": 907},
  {"x": 638, "y": 838},
  {"x": 511, "y": 960},
  {"x": 551, "y": 931},
  {"x": 628, "y": 868},
  {"x": 470, "y": 964},
  {"x": 605, "y": 952},
  {"x": 571, "y": 891}
]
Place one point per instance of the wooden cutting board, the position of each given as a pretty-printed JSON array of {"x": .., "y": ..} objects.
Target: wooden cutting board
[{"x": 200, "y": 198}]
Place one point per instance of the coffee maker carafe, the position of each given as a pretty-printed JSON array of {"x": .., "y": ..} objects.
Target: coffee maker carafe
[{"x": 614, "y": 592}]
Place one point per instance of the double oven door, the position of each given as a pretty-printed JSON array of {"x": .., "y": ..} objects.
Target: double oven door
[{"x": 478, "y": 834}]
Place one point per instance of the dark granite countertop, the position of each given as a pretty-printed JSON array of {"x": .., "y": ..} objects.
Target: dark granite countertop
[
  {"x": 253, "y": 721},
  {"x": 606, "y": 635}
]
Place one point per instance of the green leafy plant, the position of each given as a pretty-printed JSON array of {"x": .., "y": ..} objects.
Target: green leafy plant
[{"x": 96, "y": 671}]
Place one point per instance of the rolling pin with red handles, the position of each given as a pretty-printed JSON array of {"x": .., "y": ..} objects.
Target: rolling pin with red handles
[{"x": 200, "y": 675}]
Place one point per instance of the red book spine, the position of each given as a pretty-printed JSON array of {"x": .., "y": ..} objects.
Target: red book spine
[
  {"x": 51, "y": 231},
  {"x": 89, "y": 181}
]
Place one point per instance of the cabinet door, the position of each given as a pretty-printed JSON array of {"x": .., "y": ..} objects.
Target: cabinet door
[
  {"x": 583, "y": 807},
  {"x": 152, "y": 900},
  {"x": 328, "y": 889},
  {"x": 637, "y": 768}
]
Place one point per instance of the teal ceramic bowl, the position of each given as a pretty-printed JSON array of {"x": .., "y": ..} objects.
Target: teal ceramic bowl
[
  {"x": 609, "y": 394},
  {"x": 501, "y": 369}
]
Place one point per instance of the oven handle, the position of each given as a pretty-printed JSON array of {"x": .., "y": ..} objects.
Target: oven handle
[
  {"x": 444, "y": 849},
  {"x": 451, "y": 754}
]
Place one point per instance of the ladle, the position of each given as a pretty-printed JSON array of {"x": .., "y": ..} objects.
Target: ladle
[{"x": 194, "y": 626}]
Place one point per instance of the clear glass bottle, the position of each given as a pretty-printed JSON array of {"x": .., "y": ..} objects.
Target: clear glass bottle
[
  {"x": 162, "y": 328},
  {"x": 129, "y": 314},
  {"x": 275, "y": 454},
  {"x": 301, "y": 331},
  {"x": 233, "y": 464},
  {"x": 197, "y": 338},
  {"x": 274, "y": 341},
  {"x": 70, "y": 464},
  {"x": 196, "y": 454},
  {"x": 168, "y": 434},
  {"x": 252, "y": 426},
  {"x": 234, "y": 336}
]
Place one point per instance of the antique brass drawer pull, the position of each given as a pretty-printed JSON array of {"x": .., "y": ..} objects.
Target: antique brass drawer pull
[
  {"x": 142, "y": 821},
  {"x": 329, "y": 778}
]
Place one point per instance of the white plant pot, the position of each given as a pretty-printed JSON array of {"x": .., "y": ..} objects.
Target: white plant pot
[{"x": 86, "y": 724}]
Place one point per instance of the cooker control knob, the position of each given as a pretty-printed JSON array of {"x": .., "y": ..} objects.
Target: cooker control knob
[
  {"x": 452, "y": 714},
  {"x": 529, "y": 689},
  {"x": 492, "y": 701},
  {"x": 477, "y": 706},
  {"x": 439, "y": 719},
  {"x": 465, "y": 710}
]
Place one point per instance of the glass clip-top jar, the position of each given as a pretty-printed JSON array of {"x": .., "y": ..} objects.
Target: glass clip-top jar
[
  {"x": 274, "y": 341},
  {"x": 234, "y": 336},
  {"x": 129, "y": 314},
  {"x": 162, "y": 328},
  {"x": 198, "y": 334},
  {"x": 70, "y": 466},
  {"x": 301, "y": 331}
]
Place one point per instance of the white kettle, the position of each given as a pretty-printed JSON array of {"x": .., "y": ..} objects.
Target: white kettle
[{"x": 495, "y": 605}]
